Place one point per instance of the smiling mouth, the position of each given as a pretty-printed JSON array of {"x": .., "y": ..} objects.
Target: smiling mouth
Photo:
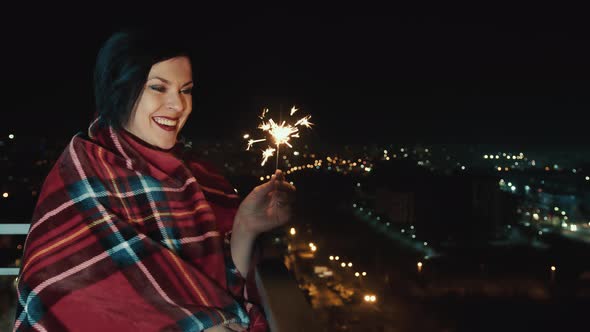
[{"x": 166, "y": 123}]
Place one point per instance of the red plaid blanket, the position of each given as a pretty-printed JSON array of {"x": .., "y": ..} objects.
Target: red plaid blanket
[{"x": 126, "y": 237}]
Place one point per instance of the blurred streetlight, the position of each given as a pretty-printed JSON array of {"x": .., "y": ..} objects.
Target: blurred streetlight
[
  {"x": 553, "y": 270},
  {"x": 356, "y": 274},
  {"x": 364, "y": 274},
  {"x": 337, "y": 258},
  {"x": 5, "y": 195},
  {"x": 343, "y": 264},
  {"x": 293, "y": 231},
  {"x": 331, "y": 258},
  {"x": 349, "y": 264},
  {"x": 419, "y": 267},
  {"x": 370, "y": 298}
]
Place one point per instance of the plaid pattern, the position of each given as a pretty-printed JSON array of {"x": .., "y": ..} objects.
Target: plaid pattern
[{"x": 126, "y": 237}]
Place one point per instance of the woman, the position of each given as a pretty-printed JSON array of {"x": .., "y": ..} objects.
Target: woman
[{"x": 128, "y": 234}]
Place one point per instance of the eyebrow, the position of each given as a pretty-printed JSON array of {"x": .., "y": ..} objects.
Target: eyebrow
[{"x": 168, "y": 82}]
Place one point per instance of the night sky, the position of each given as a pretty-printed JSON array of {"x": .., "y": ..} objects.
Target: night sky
[{"x": 469, "y": 75}]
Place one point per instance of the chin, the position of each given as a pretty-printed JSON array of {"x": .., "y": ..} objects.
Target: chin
[{"x": 166, "y": 146}]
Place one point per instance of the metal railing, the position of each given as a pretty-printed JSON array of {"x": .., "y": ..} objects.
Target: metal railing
[
  {"x": 12, "y": 229},
  {"x": 283, "y": 302}
]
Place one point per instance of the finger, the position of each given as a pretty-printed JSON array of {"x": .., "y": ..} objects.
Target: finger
[
  {"x": 262, "y": 190},
  {"x": 284, "y": 186},
  {"x": 279, "y": 175},
  {"x": 235, "y": 327},
  {"x": 280, "y": 197},
  {"x": 280, "y": 215}
]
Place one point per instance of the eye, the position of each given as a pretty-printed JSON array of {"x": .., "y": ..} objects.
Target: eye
[
  {"x": 158, "y": 88},
  {"x": 187, "y": 91}
]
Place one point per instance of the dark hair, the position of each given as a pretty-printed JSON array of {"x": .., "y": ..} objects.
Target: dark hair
[{"x": 122, "y": 67}]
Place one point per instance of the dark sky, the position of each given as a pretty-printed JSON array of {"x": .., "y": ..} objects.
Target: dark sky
[{"x": 486, "y": 75}]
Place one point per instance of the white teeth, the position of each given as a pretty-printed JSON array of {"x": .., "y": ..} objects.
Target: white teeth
[{"x": 166, "y": 122}]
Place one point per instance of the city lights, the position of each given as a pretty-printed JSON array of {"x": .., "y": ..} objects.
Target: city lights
[
  {"x": 534, "y": 209},
  {"x": 370, "y": 298}
]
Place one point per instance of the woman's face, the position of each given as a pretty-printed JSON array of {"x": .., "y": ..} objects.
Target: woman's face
[{"x": 164, "y": 103}]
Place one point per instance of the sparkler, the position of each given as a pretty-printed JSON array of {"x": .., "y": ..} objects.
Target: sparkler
[{"x": 281, "y": 133}]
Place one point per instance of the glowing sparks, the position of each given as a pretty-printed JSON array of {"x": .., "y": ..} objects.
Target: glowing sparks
[
  {"x": 252, "y": 141},
  {"x": 265, "y": 126},
  {"x": 281, "y": 133},
  {"x": 267, "y": 154},
  {"x": 304, "y": 122},
  {"x": 264, "y": 111}
]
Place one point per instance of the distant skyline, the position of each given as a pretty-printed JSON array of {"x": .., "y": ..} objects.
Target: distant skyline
[{"x": 435, "y": 76}]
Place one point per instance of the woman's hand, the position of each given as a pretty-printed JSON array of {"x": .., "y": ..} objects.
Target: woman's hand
[
  {"x": 266, "y": 207},
  {"x": 220, "y": 328}
]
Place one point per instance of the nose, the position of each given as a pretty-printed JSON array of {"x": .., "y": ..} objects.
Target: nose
[{"x": 175, "y": 102}]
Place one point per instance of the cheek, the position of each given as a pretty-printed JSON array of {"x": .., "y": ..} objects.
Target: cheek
[
  {"x": 189, "y": 102},
  {"x": 189, "y": 106},
  {"x": 149, "y": 104}
]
